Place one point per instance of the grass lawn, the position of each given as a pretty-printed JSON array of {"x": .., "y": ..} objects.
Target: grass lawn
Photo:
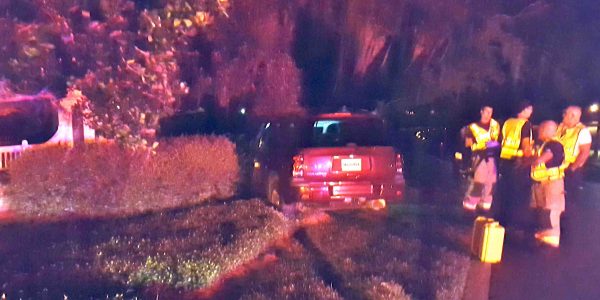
[
  {"x": 405, "y": 256},
  {"x": 239, "y": 250},
  {"x": 361, "y": 255},
  {"x": 160, "y": 253}
]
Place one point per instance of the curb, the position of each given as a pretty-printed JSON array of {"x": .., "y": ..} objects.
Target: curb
[{"x": 477, "y": 285}]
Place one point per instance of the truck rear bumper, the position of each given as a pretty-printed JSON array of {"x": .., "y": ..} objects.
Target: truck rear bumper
[{"x": 348, "y": 193}]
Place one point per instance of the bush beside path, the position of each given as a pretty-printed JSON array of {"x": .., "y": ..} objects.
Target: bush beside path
[{"x": 106, "y": 180}]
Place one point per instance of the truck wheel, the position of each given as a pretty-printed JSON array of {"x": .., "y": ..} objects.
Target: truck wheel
[{"x": 274, "y": 192}]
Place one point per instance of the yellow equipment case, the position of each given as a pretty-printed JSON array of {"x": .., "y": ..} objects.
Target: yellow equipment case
[{"x": 488, "y": 240}]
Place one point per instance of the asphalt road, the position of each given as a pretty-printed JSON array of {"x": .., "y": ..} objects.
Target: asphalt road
[{"x": 530, "y": 271}]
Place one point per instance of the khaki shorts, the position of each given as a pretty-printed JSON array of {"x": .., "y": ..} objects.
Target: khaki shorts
[{"x": 548, "y": 195}]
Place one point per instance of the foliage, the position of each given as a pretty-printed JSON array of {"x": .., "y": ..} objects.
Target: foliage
[
  {"x": 56, "y": 180},
  {"x": 137, "y": 61},
  {"x": 421, "y": 51},
  {"x": 184, "y": 170},
  {"x": 490, "y": 49},
  {"x": 269, "y": 84},
  {"x": 253, "y": 64},
  {"x": 134, "y": 88},
  {"x": 417, "y": 52},
  {"x": 29, "y": 58},
  {"x": 134, "y": 97},
  {"x": 134, "y": 62},
  {"x": 106, "y": 179}
]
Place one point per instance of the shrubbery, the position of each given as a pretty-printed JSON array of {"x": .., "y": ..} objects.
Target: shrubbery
[{"x": 104, "y": 179}]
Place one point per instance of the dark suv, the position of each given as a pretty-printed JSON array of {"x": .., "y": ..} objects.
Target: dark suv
[{"x": 339, "y": 160}]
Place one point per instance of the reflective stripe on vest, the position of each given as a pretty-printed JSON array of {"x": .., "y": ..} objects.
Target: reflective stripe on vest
[
  {"x": 541, "y": 173},
  {"x": 482, "y": 136},
  {"x": 568, "y": 137},
  {"x": 511, "y": 138}
]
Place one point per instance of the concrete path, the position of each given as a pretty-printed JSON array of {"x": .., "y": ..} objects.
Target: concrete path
[
  {"x": 477, "y": 286},
  {"x": 530, "y": 271}
]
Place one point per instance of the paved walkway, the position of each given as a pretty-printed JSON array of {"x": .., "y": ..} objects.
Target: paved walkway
[{"x": 529, "y": 271}]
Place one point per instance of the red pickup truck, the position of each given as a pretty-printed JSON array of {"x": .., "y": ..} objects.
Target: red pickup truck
[{"x": 338, "y": 160}]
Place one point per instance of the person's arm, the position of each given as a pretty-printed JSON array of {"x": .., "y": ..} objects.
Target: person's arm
[
  {"x": 469, "y": 142},
  {"x": 544, "y": 158},
  {"x": 585, "y": 139},
  {"x": 469, "y": 139},
  {"x": 584, "y": 153},
  {"x": 500, "y": 133},
  {"x": 527, "y": 147},
  {"x": 527, "y": 139}
]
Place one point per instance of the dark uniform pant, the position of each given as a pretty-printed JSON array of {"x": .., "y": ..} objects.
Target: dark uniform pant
[
  {"x": 573, "y": 192},
  {"x": 573, "y": 184},
  {"x": 514, "y": 191}
]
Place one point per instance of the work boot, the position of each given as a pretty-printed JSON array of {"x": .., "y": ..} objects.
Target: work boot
[
  {"x": 470, "y": 203},
  {"x": 548, "y": 238},
  {"x": 485, "y": 206}
]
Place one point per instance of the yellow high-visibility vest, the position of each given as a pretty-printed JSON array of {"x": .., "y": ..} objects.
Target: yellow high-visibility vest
[
  {"x": 511, "y": 138},
  {"x": 568, "y": 137},
  {"x": 482, "y": 136},
  {"x": 541, "y": 173}
]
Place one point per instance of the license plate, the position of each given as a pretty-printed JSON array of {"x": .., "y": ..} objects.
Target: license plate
[{"x": 351, "y": 164}]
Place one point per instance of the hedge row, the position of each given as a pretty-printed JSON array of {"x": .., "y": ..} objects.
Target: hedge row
[{"x": 104, "y": 179}]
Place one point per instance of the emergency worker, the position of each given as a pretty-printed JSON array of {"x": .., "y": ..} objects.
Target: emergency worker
[
  {"x": 514, "y": 186},
  {"x": 577, "y": 140},
  {"x": 482, "y": 137},
  {"x": 547, "y": 192}
]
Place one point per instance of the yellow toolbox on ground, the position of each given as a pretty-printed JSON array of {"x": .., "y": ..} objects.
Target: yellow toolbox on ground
[{"x": 488, "y": 240}]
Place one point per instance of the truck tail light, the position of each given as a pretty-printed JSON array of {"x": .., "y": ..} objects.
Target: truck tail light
[
  {"x": 377, "y": 204},
  {"x": 399, "y": 164},
  {"x": 298, "y": 168}
]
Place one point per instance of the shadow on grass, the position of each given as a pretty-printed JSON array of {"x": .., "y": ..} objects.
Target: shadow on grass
[{"x": 325, "y": 270}]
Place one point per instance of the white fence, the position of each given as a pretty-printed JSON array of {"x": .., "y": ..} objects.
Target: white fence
[
  {"x": 63, "y": 135},
  {"x": 8, "y": 154}
]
